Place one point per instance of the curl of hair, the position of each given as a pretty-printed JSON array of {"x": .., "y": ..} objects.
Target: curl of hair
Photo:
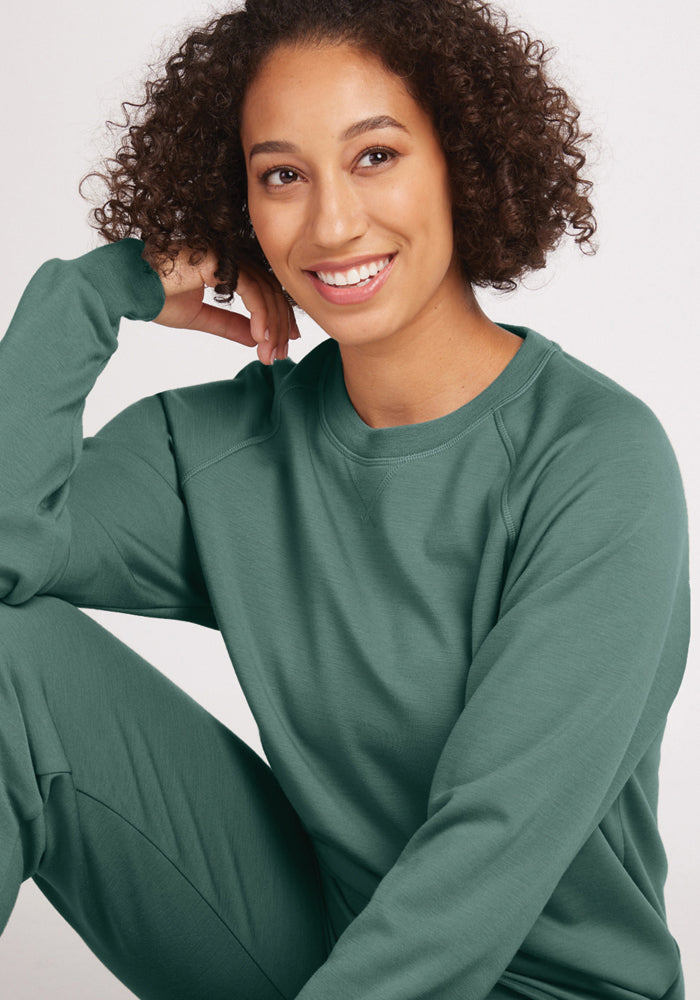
[{"x": 511, "y": 137}]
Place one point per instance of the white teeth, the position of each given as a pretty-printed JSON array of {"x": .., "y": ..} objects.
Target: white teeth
[{"x": 355, "y": 275}]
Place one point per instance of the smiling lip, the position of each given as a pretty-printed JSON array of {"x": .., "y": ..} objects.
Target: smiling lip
[
  {"x": 346, "y": 265},
  {"x": 343, "y": 295}
]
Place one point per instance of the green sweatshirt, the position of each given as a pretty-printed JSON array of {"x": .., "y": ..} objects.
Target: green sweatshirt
[{"x": 460, "y": 639}]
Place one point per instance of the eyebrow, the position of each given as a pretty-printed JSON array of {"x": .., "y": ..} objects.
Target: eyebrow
[{"x": 358, "y": 128}]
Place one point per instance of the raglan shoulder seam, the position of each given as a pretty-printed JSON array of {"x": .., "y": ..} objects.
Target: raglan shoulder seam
[
  {"x": 505, "y": 506},
  {"x": 247, "y": 442}
]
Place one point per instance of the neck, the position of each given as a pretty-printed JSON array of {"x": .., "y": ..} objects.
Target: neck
[{"x": 429, "y": 370}]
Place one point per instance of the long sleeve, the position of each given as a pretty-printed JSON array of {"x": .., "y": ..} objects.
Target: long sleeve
[
  {"x": 563, "y": 696},
  {"x": 101, "y": 522}
]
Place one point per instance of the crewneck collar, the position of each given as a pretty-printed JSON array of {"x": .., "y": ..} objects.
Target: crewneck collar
[{"x": 344, "y": 424}]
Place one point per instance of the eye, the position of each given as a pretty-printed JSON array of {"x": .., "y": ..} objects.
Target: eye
[
  {"x": 284, "y": 177},
  {"x": 389, "y": 155},
  {"x": 279, "y": 177}
]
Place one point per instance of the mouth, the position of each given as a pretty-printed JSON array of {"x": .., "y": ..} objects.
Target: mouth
[
  {"x": 357, "y": 284},
  {"x": 355, "y": 276}
]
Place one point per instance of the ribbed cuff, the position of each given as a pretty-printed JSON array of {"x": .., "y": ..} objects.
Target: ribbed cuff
[{"x": 128, "y": 285}]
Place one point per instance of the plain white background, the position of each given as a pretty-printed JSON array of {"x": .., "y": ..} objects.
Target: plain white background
[{"x": 629, "y": 312}]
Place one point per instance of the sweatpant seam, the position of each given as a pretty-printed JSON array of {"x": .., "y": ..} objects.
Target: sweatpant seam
[{"x": 187, "y": 880}]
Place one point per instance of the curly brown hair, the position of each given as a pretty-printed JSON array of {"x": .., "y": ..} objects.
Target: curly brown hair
[{"x": 511, "y": 138}]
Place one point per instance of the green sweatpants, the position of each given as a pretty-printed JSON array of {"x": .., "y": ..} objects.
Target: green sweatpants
[{"x": 161, "y": 837}]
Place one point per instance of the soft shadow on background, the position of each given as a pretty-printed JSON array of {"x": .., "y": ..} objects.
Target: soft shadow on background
[{"x": 629, "y": 312}]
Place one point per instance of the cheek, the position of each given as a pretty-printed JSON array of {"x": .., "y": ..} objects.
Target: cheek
[
  {"x": 420, "y": 205},
  {"x": 394, "y": 203},
  {"x": 436, "y": 206}
]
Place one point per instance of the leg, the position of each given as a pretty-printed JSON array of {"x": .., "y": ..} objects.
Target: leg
[{"x": 161, "y": 837}]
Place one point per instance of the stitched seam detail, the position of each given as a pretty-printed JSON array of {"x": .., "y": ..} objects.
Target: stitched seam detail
[
  {"x": 367, "y": 516},
  {"x": 366, "y": 511},
  {"x": 191, "y": 884},
  {"x": 258, "y": 439},
  {"x": 443, "y": 446},
  {"x": 506, "y": 513},
  {"x": 399, "y": 459}
]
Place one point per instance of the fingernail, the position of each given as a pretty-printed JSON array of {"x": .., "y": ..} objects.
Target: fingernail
[
  {"x": 273, "y": 356},
  {"x": 267, "y": 334}
]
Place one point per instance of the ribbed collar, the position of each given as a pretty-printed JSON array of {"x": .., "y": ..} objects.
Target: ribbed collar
[{"x": 343, "y": 422}]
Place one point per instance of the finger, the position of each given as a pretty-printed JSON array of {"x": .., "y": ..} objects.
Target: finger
[
  {"x": 287, "y": 322},
  {"x": 283, "y": 322},
  {"x": 277, "y": 308},
  {"x": 252, "y": 294},
  {"x": 286, "y": 328},
  {"x": 276, "y": 323},
  {"x": 223, "y": 323}
]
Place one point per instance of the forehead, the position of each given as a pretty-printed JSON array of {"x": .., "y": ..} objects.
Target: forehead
[{"x": 328, "y": 86}]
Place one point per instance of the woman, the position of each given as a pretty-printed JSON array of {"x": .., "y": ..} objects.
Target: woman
[{"x": 449, "y": 560}]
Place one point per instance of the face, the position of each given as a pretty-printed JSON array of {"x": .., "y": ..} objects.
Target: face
[{"x": 348, "y": 193}]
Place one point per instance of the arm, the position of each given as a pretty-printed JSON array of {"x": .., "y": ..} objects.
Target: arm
[
  {"x": 562, "y": 699},
  {"x": 101, "y": 524}
]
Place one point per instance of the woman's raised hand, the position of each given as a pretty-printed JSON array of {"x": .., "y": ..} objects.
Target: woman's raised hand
[{"x": 272, "y": 322}]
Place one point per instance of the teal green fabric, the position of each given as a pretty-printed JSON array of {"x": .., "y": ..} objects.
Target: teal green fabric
[
  {"x": 160, "y": 836},
  {"x": 460, "y": 639}
]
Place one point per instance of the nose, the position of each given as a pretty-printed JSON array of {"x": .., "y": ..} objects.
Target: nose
[{"x": 336, "y": 214}]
